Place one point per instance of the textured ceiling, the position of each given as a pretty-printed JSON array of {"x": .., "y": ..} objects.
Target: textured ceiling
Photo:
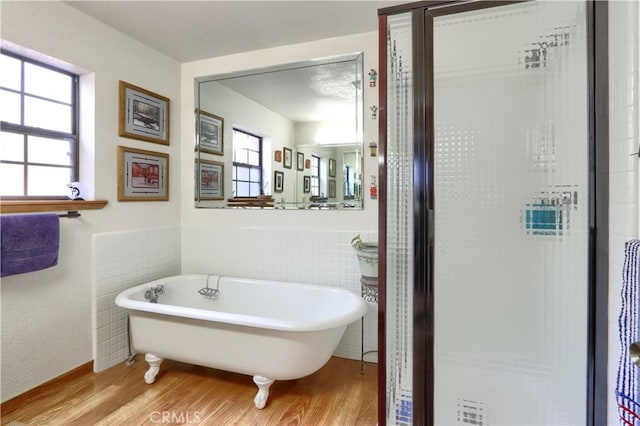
[
  {"x": 193, "y": 30},
  {"x": 322, "y": 92}
]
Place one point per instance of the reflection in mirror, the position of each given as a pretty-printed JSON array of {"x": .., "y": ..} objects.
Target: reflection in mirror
[{"x": 286, "y": 137}]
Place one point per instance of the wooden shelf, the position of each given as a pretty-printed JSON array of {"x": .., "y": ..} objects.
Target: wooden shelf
[
  {"x": 29, "y": 206},
  {"x": 251, "y": 205},
  {"x": 244, "y": 202}
]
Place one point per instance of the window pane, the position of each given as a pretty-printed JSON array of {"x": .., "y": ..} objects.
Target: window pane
[
  {"x": 240, "y": 140},
  {"x": 11, "y": 147},
  {"x": 47, "y": 83},
  {"x": 242, "y": 156},
  {"x": 48, "y": 180},
  {"x": 9, "y": 106},
  {"x": 11, "y": 179},
  {"x": 254, "y": 158},
  {"x": 255, "y": 175},
  {"x": 243, "y": 173},
  {"x": 49, "y": 151},
  {"x": 253, "y": 143},
  {"x": 47, "y": 115},
  {"x": 242, "y": 189},
  {"x": 255, "y": 189},
  {"x": 10, "y": 75},
  {"x": 234, "y": 172}
]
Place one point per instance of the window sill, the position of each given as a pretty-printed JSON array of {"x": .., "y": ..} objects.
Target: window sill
[{"x": 29, "y": 206}]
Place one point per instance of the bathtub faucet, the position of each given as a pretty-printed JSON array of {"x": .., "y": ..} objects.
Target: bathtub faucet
[{"x": 152, "y": 293}]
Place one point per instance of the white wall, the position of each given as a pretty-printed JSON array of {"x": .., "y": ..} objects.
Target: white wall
[
  {"x": 623, "y": 174},
  {"x": 292, "y": 245},
  {"x": 47, "y": 315}
]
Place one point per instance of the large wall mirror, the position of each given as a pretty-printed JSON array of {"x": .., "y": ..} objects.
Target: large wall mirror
[{"x": 285, "y": 137}]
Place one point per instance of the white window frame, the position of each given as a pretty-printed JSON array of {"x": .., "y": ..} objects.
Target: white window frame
[{"x": 20, "y": 128}]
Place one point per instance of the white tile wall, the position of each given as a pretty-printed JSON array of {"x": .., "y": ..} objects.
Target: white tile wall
[
  {"x": 624, "y": 188},
  {"x": 123, "y": 260},
  {"x": 302, "y": 255}
]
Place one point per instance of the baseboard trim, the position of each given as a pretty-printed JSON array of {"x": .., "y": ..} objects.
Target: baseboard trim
[{"x": 23, "y": 398}]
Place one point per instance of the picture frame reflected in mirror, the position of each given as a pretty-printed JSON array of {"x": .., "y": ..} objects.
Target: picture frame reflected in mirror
[
  {"x": 210, "y": 180},
  {"x": 288, "y": 158},
  {"x": 278, "y": 181},
  {"x": 306, "y": 184},
  {"x": 332, "y": 167},
  {"x": 209, "y": 133}
]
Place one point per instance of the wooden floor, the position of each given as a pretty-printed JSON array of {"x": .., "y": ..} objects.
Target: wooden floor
[{"x": 336, "y": 395}]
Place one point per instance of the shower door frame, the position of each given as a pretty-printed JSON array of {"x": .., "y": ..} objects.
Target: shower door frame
[{"x": 422, "y": 14}]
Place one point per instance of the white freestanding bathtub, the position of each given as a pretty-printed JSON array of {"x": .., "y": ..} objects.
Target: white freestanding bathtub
[{"x": 266, "y": 329}]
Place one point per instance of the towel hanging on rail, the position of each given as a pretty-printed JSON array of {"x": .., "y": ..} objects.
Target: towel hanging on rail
[{"x": 28, "y": 243}]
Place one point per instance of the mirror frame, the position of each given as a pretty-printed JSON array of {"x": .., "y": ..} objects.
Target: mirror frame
[{"x": 263, "y": 202}]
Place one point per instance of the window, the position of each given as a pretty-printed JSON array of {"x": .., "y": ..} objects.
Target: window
[
  {"x": 247, "y": 164},
  {"x": 315, "y": 175},
  {"x": 39, "y": 129}
]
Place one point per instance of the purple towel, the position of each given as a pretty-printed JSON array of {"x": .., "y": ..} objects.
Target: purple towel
[{"x": 28, "y": 243}]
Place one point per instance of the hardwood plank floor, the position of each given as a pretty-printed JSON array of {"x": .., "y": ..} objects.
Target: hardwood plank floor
[{"x": 336, "y": 395}]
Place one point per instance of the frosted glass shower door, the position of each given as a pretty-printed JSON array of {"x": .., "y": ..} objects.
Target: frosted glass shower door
[
  {"x": 511, "y": 268},
  {"x": 399, "y": 220}
]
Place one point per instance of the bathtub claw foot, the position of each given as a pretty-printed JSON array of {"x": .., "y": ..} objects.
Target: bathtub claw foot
[
  {"x": 154, "y": 368},
  {"x": 263, "y": 393}
]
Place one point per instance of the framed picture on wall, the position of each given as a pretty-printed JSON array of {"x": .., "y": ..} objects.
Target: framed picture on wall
[
  {"x": 332, "y": 167},
  {"x": 278, "y": 156},
  {"x": 142, "y": 175},
  {"x": 209, "y": 180},
  {"x": 306, "y": 184},
  {"x": 144, "y": 115},
  {"x": 300, "y": 161},
  {"x": 209, "y": 132},
  {"x": 278, "y": 179},
  {"x": 332, "y": 188},
  {"x": 288, "y": 158}
]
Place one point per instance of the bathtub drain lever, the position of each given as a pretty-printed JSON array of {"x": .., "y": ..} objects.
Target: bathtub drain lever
[{"x": 208, "y": 292}]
